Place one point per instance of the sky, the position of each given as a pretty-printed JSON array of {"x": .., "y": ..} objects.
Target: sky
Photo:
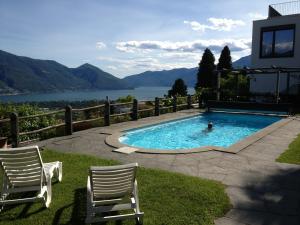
[{"x": 127, "y": 37}]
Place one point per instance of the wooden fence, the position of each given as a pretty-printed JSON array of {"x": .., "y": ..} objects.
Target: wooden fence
[{"x": 106, "y": 113}]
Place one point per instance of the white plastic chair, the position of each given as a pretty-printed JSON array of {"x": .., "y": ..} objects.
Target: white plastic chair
[
  {"x": 112, "y": 189},
  {"x": 24, "y": 171}
]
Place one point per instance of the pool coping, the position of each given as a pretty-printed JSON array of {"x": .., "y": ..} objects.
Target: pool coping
[{"x": 113, "y": 139}]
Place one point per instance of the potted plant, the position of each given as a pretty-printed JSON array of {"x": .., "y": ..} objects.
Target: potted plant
[{"x": 3, "y": 142}]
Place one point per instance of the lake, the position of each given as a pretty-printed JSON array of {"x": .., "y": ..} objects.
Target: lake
[{"x": 141, "y": 93}]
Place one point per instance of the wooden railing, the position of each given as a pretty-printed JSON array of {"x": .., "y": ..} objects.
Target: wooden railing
[
  {"x": 105, "y": 114},
  {"x": 4, "y": 121}
]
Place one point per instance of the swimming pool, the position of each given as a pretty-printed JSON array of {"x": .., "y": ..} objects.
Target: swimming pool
[{"x": 192, "y": 132}]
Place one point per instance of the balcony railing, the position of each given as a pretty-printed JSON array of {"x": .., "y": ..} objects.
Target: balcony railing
[{"x": 285, "y": 8}]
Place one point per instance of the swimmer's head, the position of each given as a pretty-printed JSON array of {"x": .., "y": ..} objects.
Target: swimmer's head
[{"x": 210, "y": 125}]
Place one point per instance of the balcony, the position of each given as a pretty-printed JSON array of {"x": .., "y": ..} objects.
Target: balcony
[{"x": 284, "y": 9}]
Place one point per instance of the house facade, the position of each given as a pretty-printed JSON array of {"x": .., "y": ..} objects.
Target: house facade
[{"x": 276, "y": 42}]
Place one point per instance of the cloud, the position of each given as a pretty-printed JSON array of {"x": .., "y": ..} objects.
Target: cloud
[
  {"x": 146, "y": 63},
  {"x": 182, "y": 56},
  {"x": 256, "y": 16},
  {"x": 185, "y": 46},
  {"x": 196, "y": 26},
  {"x": 218, "y": 24},
  {"x": 100, "y": 45},
  {"x": 223, "y": 24},
  {"x": 112, "y": 67}
]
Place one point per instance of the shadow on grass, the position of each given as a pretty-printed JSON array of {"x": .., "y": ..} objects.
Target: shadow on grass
[
  {"x": 274, "y": 199},
  {"x": 78, "y": 211},
  {"x": 25, "y": 211}
]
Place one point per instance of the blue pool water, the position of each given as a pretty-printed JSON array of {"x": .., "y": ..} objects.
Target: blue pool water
[{"x": 192, "y": 132}]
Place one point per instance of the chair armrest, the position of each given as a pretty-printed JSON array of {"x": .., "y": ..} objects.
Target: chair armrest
[{"x": 89, "y": 193}]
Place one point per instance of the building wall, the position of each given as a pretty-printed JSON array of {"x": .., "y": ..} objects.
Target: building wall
[{"x": 267, "y": 83}]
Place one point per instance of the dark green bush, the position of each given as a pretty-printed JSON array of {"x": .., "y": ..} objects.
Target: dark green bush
[{"x": 29, "y": 124}]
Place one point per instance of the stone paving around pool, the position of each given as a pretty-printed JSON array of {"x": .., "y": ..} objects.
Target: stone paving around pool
[{"x": 262, "y": 191}]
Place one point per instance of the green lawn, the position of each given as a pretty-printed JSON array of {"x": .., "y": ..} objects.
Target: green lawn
[
  {"x": 165, "y": 198},
  {"x": 292, "y": 154}
]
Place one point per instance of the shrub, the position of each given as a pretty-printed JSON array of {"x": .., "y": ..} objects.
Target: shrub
[{"x": 29, "y": 124}]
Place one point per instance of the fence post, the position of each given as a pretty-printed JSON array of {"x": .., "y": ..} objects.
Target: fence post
[
  {"x": 107, "y": 113},
  {"x": 14, "y": 129},
  {"x": 156, "y": 107},
  {"x": 68, "y": 120},
  {"x": 174, "y": 104},
  {"x": 189, "y": 101},
  {"x": 135, "y": 109}
]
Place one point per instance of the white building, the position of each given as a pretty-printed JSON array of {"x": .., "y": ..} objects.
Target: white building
[{"x": 276, "y": 41}]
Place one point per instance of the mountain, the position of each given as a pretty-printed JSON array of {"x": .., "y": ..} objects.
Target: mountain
[
  {"x": 162, "y": 78},
  {"x": 23, "y": 74},
  {"x": 244, "y": 61},
  {"x": 97, "y": 78},
  {"x": 167, "y": 77},
  {"x": 20, "y": 74}
]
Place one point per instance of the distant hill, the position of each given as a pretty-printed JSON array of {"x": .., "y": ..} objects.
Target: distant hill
[
  {"x": 162, "y": 78},
  {"x": 20, "y": 74},
  {"x": 244, "y": 61},
  {"x": 97, "y": 78},
  {"x": 167, "y": 77}
]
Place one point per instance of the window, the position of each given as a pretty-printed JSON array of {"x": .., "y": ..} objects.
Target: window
[
  {"x": 277, "y": 41},
  {"x": 267, "y": 44}
]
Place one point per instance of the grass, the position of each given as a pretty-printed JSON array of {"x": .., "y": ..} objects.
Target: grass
[
  {"x": 165, "y": 197},
  {"x": 292, "y": 154}
]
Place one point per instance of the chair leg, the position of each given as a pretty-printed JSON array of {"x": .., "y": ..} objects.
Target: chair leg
[
  {"x": 139, "y": 220},
  {"x": 90, "y": 216},
  {"x": 3, "y": 197},
  {"x": 48, "y": 193},
  {"x": 59, "y": 172},
  {"x": 89, "y": 207},
  {"x": 88, "y": 220},
  {"x": 4, "y": 193}
]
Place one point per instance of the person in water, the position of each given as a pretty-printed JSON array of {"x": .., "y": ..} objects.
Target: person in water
[{"x": 209, "y": 126}]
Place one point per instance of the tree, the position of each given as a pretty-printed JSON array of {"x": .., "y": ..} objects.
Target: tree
[
  {"x": 231, "y": 88},
  {"x": 225, "y": 61},
  {"x": 178, "y": 88},
  {"x": 205, "y": 75}
]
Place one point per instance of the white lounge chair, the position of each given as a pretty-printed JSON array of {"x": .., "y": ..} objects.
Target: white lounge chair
[
  {"x": 24, "y": 171},
  {"x": 108, "y": 188}
]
